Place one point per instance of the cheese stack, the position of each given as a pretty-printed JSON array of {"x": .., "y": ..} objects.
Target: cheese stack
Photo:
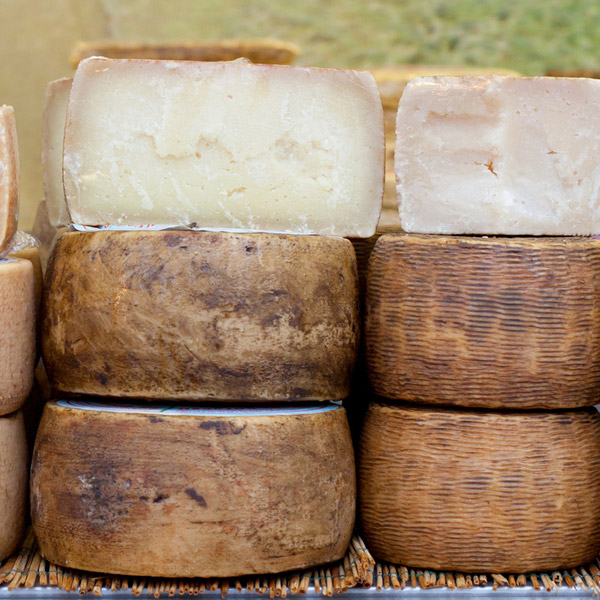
[
  {"x": 486, "y": 324},
  {"x": 210, "y": 294}
]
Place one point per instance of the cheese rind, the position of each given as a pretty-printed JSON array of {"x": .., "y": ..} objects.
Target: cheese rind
[
  {"x": 499, "y": 155},
  {"x": 53, "y": 134},
  {"x": 192, "y": 315},
  {"x": 480, "y": 491},
  {"x": 194, "y": 495},
  {"x": 9, "y": 176},
  {"x": 224, "y": 146},
  {"x": 486, "y": 322}
]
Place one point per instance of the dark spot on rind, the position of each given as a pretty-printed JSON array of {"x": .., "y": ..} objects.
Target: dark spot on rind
[
  {"x": 194, "y": 495},
  {"x": 156, "y": 419},
  {"x": 102, "y": 378},
  {"x": 222, "y": 427},
  {"x": 160, "y": 498}
]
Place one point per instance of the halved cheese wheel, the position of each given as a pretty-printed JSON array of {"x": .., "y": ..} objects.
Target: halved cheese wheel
[
  {"x": 478, "y": 491},
  {"x": 9, "y": 176},
  {"x": 488, "y": 322},
  {"x": 192, "y": 492},
  {"x": 201, "y": 315}
]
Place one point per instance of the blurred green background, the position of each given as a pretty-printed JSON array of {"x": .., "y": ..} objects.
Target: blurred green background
[{"x": 529, "y": 36}]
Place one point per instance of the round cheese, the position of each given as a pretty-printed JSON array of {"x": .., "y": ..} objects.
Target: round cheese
[
  {"x": 477, "y": 491},
  {"x": 17, "y": 332},
  {"x": 201, "y": 315},
  {"x": 14, "y": 466},
  {"x": 192, "y": 492},
  {"x": 487, "y": 322},
  {"x": 32, "y": 254},
  {"x": 9, "y": 176}
]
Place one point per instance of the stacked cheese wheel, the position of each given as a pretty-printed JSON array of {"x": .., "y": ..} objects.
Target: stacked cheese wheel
[
  {"x": 243, "y": 332},
  {"x": 483, "y": 454}
]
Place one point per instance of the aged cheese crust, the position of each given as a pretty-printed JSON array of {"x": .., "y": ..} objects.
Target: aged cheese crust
[
  {"x": 14, "y": 480},
  {"x": 9, "y": 176},
  {"x": 258, "y": 51},
  {"x": 224, "y": 145},
  {"x": 488, "y": 322},
  {"x": 17, "y": 332},
  {"x": 480, "y": 491},
  {"x": 193, "y": 496},
  {"x": 193, "y": 315}
]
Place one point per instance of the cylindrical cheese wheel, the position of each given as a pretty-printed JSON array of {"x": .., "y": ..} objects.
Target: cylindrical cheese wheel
[
  {"x": 201, "y": 315},
  {"x": 32, "y": 254},
  {"x": 14, "y": 467},
  {"x": 478, "y": 491},
  {"x": 186, "y": 492},
  {"x": 487, "y": 322},
  {"x": 17, "y": 332}
]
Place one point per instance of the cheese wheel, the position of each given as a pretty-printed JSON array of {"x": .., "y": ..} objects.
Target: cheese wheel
[
  {"x": 192, "y": 492},
  {"x": 488, "y": 322},
  {"x": 9, "y": 176},
  {"x": 201, "y": 315},
  {"x": 14, "y": 480},
  {"x": 32, "y": 254},
  {"x": 478, "y": 491},
  {"x": 44, "y": 232},
  {"x": 17, "y": 332}
]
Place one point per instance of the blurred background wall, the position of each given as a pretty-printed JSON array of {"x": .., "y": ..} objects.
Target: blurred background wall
[{"x": 528, "y": 35}]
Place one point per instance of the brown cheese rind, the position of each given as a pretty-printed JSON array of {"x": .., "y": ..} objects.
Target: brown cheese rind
[
  {"x": 201, "y": 315},
  {"x": 9, "y": 176},
  {"x": 487, "y": 322},
  {"x": 480, "y": 491},
  {"x": 192, "y": 496}
]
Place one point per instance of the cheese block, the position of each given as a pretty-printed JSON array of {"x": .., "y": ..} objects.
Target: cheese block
[
  {"x": 17, "y": 332},
  {"x": 264, "y": 51},
  {"x": 479, "y": 491},
  {"x": 53, "y": 133},
  {"x": 14, "y": 482},
  {"x": 488, "y": 322},
  {"x": 9, "y": 176},
  {"x": 499, "y": 155},
  {"x": 224, "y": 146},
  {"x": 201, "y": 315},
  {"x": 192, "y": 492}
]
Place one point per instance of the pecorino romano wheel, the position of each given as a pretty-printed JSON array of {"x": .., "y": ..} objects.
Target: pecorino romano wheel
[
  {"x": 192, "y": 492},
  {"x": 480, "y": 491},
  {"x": 485, "y": 322},
  {"x": 201, "y": 315}
]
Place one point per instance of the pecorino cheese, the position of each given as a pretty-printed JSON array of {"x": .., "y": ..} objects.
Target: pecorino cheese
[
  {"x": 53, "y": 133},
  {"x": 499, "y": 155},
  {"x": 9, "y": 176},
  {"x": 201, "y": 315},
  {"x": 480, "y": 491},
  {"x": 192, "y": 492},
  {"x": 487, "y": 322},
  {"x": 14, "y": 480},
  {"x": 17, "y": 332},
  {"x": 224, "y": 146}
]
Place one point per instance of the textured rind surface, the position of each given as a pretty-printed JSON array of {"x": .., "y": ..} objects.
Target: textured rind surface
[
  {"x": 175, "y": 496},
  {"x": 9, "y": 176},
  {"x": 480, "y": 491},
  {"x": 14, "y": 479},
  {"x": 17, "y": 332},
  {"x": 488, "y": 322},
  {"x": 257, "y": 51},
  {"x": 201, "y": 315}
]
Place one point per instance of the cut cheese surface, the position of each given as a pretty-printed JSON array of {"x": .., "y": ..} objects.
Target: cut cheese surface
[
  {"x": 480, "y": 491},
  {"x": 487, "y": 322},
  {"x": 499, "y": 155},
  {"x": 17, "y": 332},
  {"x": 14, "y": 483},
  {"x": 224, "y": 146},
  {"x": 201, "y": 315},
  {"x": 53, "y": 133},
  {"x": 192, "y": 493},
  {"x": 9, "y": 176}
]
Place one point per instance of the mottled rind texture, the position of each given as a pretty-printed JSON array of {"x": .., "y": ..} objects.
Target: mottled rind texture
[
  {"x": 488, "y": 322},
  {"x": 187, "y": 496},
  {"x": 9, "y": 176},
  {"x": 480, "y": 491},
  {"x": 14, "y": 479},
  {"x": 201, "y": 315},
  {"x": 17, "y": 332}
]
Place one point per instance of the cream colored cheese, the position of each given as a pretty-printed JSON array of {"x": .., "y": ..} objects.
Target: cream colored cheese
[{"x": 9, "y": 176}]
